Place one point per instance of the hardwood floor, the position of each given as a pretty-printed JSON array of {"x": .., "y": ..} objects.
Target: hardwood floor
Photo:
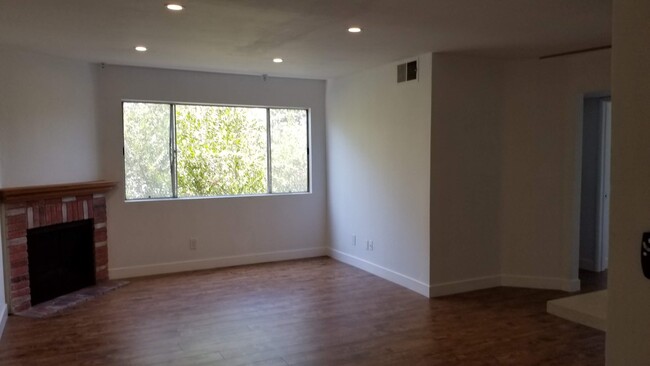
[{"x": 307, "y": 312}]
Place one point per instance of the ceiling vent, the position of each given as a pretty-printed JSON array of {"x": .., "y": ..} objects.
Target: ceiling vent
[{"x": 407, "y": 71}]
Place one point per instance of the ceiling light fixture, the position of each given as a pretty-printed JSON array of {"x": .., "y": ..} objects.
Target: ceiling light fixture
[
  {"x": 140, "y": 48},
  {"x": 278, "y": 60},
  {"x": 174, "y": 7},
  {"x": 354, "y": 30}
]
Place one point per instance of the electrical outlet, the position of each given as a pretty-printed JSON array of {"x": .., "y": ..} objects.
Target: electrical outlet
[
  {"x": 193, "y": 243},
  {"x": 354, "y": 240},
  {"x": 370, "y": 245}
]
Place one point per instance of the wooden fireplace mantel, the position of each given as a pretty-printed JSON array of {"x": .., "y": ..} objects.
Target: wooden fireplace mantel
[{"x": 32, "y": 193}]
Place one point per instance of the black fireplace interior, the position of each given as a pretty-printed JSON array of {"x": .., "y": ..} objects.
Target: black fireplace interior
[{"x": 61, "y": 259}]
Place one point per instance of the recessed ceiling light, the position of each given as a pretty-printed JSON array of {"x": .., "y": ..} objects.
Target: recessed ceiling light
[
  {"x": 174, "y": 7},
  {"x": 354, "y": 30},
  {"x": 278, "y": 60},
  {"x": 140, "y": 48}
]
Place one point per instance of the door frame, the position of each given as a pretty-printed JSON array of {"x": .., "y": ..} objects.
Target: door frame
[{"x": 574, "y": 256}]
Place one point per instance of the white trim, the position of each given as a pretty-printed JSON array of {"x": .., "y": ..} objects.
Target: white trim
[
  {"x": 199, "y": 264},
  {"x": 436, "y": 290},
  {"x": 456, "y": 287},
  {"x": 3, "y": 318},
  {"x": 547, "y": 283},
  {"x": 383, "y": 272}
]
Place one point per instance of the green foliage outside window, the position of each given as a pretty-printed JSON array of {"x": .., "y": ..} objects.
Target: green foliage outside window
[
  {"x": 220, "y": 150},
  {"x": 288, "y": 146},
  {"x": 147, "y": 150}
]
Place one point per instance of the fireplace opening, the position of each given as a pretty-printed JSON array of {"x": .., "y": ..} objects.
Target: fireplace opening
[{"x": 61, "y": 259}]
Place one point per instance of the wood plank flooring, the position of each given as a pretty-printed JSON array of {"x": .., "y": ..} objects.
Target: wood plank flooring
[{"x": 306, "y": 312}]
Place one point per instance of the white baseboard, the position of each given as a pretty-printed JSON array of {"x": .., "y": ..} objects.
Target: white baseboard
[
  {"x": 385, "y": 273},
  {"x": 420, "y": 287},
  {"x": 547, "y": 283},
  {"x": 199, "y": 264},
  {"x": 456, "y": 287},
  {"x": 3, "y": 318},
  {"x": 480, "y": 283}
]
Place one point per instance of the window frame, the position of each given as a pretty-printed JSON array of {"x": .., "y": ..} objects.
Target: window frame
[{"x": 173, "y": 150}]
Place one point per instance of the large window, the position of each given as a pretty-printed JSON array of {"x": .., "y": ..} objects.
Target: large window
[{"x": 181, "y": 150}]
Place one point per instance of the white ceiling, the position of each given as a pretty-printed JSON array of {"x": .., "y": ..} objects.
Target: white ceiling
[{"x": 242, "y": 36}]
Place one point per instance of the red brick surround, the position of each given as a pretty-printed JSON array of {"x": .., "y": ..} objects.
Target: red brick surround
[{"x": 20, "y": 216}]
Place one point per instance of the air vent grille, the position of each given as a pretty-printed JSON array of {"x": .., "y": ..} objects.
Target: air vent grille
[{"x": 407, "y": 71}]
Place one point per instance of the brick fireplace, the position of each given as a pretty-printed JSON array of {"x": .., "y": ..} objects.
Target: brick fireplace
[{"x": 26, "y": 208}]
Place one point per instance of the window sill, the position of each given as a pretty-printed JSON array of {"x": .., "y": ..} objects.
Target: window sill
[{"x": 173, "y": 199}]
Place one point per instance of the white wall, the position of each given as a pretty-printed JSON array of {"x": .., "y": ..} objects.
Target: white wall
[
  {"x": 378, "y": 142},
  {"x": 47, "y": 117},
  {"x": 541, "y": 148},
  {"x": 153, "y": 237},
  {"x": 628, "y": 333},
  {"x": 47, "y": 125},
  {"x": 505, "y": 169},
  {"x": 466, "y": 143},
  {"x": 505, "y": 151}
]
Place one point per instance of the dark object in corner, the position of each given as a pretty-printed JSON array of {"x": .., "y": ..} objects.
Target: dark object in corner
[{"x": 645, "y": 255}]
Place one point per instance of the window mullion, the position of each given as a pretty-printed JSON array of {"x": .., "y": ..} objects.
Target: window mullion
[
  {"x": 268, "y": 151},
  {"x": 308, "y": 139},
  {"x": 173, "y": 150}
]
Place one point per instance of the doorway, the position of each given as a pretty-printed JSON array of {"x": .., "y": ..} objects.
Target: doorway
[{"x": 595, "y": 191}]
